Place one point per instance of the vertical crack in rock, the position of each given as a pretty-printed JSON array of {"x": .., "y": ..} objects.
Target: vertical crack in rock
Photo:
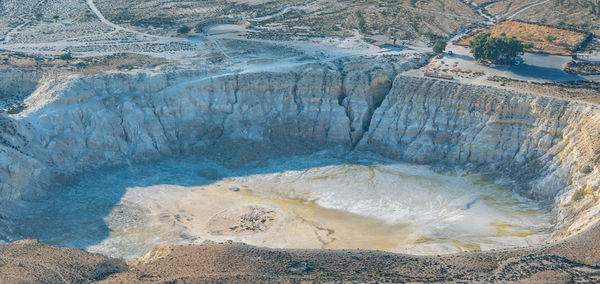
[
  {"x": 342, "y": 99},
  {"x": 379, "y": 90},
  {"x": 297, "y": 102},
  {"x": 296, "y": 98},
  {"x": 317, "y": 119},
  {"x": 232, "y": 105},
  {"x": 162, "y": 126}
]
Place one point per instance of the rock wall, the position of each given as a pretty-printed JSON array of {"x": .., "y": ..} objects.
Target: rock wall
[
  {"x": 16, "y": 84},
  {"x": 550, "y": 147},
  {"x": 76, "y": 124}
]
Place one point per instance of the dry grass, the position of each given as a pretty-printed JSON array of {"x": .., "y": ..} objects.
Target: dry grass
[
  {"x": 580, "y": 14},
  {"x": 536, "y": 34},
  {"x": 404, "y": 19},
  {"x": 504, "y": 8}
]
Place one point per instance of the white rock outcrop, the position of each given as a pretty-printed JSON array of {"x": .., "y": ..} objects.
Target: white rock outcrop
[{"x": 83, "y": 123}]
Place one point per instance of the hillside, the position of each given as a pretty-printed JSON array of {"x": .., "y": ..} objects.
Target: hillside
[
  {"x": 406, "y": 19},
  {"x": 583, "y": 15}
]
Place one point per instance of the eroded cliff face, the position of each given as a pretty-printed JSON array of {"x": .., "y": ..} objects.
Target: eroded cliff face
[
  {"x": 548, "y": 146},
  {"x": 16, "y": 84}
]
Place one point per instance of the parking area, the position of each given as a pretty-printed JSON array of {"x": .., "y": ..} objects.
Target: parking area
[{"x": 458, "y": 62}]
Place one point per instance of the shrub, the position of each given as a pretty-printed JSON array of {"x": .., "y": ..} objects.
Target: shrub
[
  {"x": 433, "y": 37},
  {"x": 528, "y": 45},
  {"x": 549, "y": 38},
  {"x": 583, "y": 43},
  {"x": 66, "y": 56},
  {"x": 362, "y": 23},
  {"x": 439, "y": 46},
  {"x": 183, "y": 30}
]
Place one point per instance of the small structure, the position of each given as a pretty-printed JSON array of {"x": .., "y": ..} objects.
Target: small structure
[{"x": 580, "y": 56}]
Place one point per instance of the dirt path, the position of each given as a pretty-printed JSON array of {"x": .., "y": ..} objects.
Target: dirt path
[
  {"x": 103, "y": 19},
  {"x": 8, "y": 35},
  {"x": 22, "y": 17},
  {"x": 510, "y": 17}
]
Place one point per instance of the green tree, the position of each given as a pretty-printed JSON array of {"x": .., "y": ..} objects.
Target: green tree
[
  {"x": 582, "y": 44},
  {"x": 183, "y": 30},
  {"x": 439, "y": 46},
  {"x": 478, "y": 45},
  {"x": 66, "y": 56},
  {"x": 495, "y": 49}
]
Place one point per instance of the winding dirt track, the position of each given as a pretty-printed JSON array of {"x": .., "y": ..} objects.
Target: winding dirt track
[
  {"x": 103, "y": 19},
  {"x": 8, "y": 35},
  {"x": 511, "y": 16}
]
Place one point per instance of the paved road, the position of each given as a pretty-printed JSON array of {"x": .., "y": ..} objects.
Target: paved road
[
  {"x": 546, "y": 67},
  {"x": 543, "y": 67}
]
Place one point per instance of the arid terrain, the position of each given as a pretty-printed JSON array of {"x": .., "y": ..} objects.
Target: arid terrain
[
  {"x": 573, "y": 261},
  {"x": 544, "y": 39},
  {"x": 283, "y": 19},
  {"x": 296, "y": 141},
  {"x": 582, "y": 15}
]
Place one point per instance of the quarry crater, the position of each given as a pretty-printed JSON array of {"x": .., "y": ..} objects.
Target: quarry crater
[
  {"x": 316, "y": 201},
  {"x": 184, "y": 156}
]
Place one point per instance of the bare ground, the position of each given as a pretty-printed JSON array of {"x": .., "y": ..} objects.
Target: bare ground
[{"x": 574, "y": 260}]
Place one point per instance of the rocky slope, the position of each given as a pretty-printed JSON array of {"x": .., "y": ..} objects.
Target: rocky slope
[
  {"x": 82, "y": 123},
  {"x": 31, "y": 261},
  {"x": 573, "y": 261}
]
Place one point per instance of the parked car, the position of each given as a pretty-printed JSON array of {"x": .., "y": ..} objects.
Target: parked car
[{"x": 517, "y": 61}]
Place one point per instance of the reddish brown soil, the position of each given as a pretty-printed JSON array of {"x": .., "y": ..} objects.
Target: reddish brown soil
[
  {"x": 30, "y": 261},
  {"x": 536, "y": 34}
]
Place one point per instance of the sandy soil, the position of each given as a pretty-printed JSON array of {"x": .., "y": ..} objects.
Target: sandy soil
[
  {"x": 574, "y": 260},
  {"x": 396, "y": 208},
  {"x": 241, "y": 221}
]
